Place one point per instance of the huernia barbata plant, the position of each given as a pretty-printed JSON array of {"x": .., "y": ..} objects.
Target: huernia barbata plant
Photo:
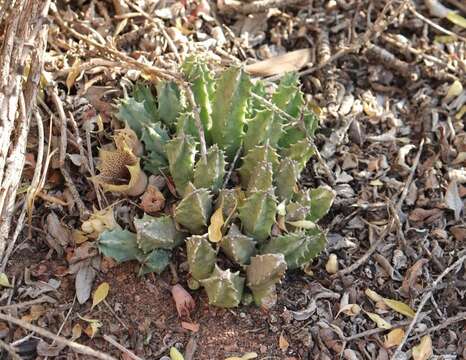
[{"x": 241, "y": 212}]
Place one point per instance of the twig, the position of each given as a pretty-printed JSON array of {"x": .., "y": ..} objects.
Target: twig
[
  {"x": 445, "y": 323},
  {"x": 10, "y": 350},
  {"x": 115, "y": 314},
  {"x": 435, "y": 25},
  {"x": 460, "y": 5},
  {"x": 160, "y": 27},
  {"x": 424, "y": 299},
  {"x": 235, "y": 6},
  {"x": 392, "y": 40},
  {"x": 63, "y": 323},
  {"x": 82, "y": 349},
  {"x": 232, "y": 165},
  {"x": 89, "y": 164},
  {"x": 164, "y": 348},
  {"x": 197, "y": 120},
  {"x": 374, "y": 331},
  {"x": 98, "y": 190},
  {"x": 402, "y": 198},
  {"x": 367, "y": 255},
  {"x": 83, "y": 212},
  {"x": 17, "y": 98},
  {"x": 113, "y": 342},
  {"x": 389, "y": 60},
  {"x": 31, "y": 193},
  {"x": 273, "y": 107},
  {"x": 106, "y": 49},
  {"x": 371, "y": 33},
  {"x": 39, "y": 300}
]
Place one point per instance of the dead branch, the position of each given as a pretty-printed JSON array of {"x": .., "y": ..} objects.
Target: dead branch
[
  {"x": 25, "y": 24},
  {"x": 120, "y": 347},
  {"x": 424, "y": 300},
  {"x": 82, "y": 349},
  {"x": 83, "y": 212},
  {"x": 234, "y": 6}
]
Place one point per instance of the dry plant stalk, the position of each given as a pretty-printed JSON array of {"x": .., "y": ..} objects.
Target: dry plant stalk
[{"x": 23, "y": 38}]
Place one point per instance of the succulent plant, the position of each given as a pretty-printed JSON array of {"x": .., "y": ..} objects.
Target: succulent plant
[
  {"x": 256, "y": 216},
  {"x": 263, "y": 274},
  {"x": 224, "y": 288},
  {"x": 201, "y": 257}
]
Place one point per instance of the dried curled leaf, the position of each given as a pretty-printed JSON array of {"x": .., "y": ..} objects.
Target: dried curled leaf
[
  {"x": 394, "y": 338},
  {"x": 423, "y": 351},
  {"x": 152, "y": 201},
  {"x": 100, "y": 294},
  {"x": 215, "y": 227},
  {"x": 99, "y": 221},
  {"x": 291, "y": 61},
  {"x": 183, "y": 300}
]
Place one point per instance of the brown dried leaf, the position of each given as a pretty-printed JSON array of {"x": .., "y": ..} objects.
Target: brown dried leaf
[
  {"x": 423, "y": 351},
  {"x": 58, "y": 235},
  {"x": 35, "y": 313},
  {"x": 190, "y": 326},
  {"x": 410, "y": 279},
  {"x": 394, "y": 338},
  {"x": 283, "y": 343},
  {"x": 459, "y": 232},
  {"x": 183, "y": 300},
  {"x": 427, "y": 215},
  {"x": 291, "y": 61}
]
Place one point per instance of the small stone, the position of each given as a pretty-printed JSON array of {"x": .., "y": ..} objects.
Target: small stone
[{"x": 332, "y": 264}]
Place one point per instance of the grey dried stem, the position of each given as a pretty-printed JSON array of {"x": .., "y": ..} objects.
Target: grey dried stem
[
  {"x": 458, "y": 263},
  {"x": 23, "y": 26},
  {"x": 79, "y": 348}
]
